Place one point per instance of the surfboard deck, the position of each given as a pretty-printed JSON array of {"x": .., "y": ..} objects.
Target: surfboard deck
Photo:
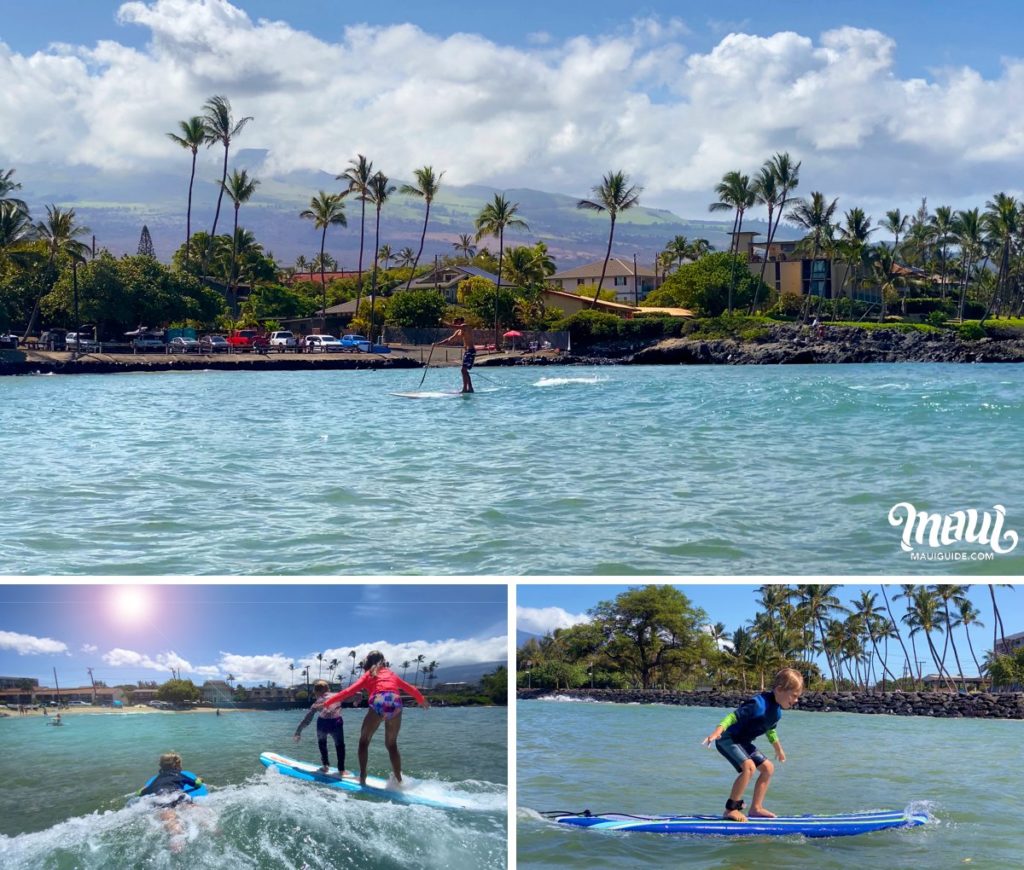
[
  {"x": 375, "y": 786},
  {"x": 433, "y": 394},
  {"x": 806, "y": 826}
]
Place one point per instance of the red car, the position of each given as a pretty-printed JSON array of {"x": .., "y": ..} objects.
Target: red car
[{"x": 248, "y": 339}]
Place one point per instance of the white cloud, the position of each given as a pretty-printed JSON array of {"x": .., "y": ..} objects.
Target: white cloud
[
  {"x": 544, "y": 620},
  {"x": 27, "y": 645},
  {"x": 126, "y": 658},
  {"x": 447, "y": 653},
  {"x": 553, "y": 115},
  {"x": 90, "y": 648}
]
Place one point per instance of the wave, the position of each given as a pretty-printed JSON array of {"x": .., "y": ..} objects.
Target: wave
[{"x": 562, "y": 382}]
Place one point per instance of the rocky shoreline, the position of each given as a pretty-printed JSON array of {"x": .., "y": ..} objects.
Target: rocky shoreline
[{"x": 944, "y": 705}]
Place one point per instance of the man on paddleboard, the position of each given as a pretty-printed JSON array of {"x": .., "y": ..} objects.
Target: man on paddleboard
[{"x": 469, "y": 350}]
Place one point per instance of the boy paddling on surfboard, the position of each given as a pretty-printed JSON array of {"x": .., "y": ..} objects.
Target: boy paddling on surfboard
[
  {"x": 469, "y": 350},
  {"x": 734, "y": 738},
  {"x": 383, "y": 688},
  {"x": 328, "y": 724}
]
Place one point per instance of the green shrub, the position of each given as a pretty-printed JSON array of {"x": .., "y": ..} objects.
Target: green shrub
[
  {"x": 589, "y": 327},
  {"x": 971, "y": 331},
  {"x": 936, "y": 319}
]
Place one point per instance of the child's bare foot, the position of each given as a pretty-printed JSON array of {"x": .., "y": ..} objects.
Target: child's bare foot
[
  {"x": 734, "y": 816},
  {"x": 324, "y": 768},
  {"x": 762, "y": 813}
]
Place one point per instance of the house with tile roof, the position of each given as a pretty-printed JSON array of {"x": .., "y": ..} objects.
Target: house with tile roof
[{"x": 630, "y": 285}]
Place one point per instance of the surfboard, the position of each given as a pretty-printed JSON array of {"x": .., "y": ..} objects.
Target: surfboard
[
  {"x": 191, "y": 791},
  {"x": 375, "y": 786},
  {"x": 716, "y": 826}
]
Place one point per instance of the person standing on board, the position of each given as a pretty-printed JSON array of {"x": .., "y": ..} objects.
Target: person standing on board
[
  {"x": 384, "y": 689},
  {"x": 328, "y": 724},
  {"x": 469, "y": 350},
  {"x": 734, "y": 738}
]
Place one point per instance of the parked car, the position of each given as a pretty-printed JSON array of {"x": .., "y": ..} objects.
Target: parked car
[
  {"x": 322, "y": 343},
  {"x": 179, "y": 344},
  {"x": 356, "y": 342},
  {"x": 8, "y": 341},
  {"x": 82, "y": 341},
  {"x": 53, "y": 339},
  {"x": 148, "y": 341},
  {"x": 248, "y": 339},
  {"x": 283, "y": 340},
  {"x": 214, "y": 344}
]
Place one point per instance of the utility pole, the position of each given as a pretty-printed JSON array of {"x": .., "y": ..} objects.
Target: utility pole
[
  {"x": 57, "y": 687},
  {"x": 93, "y": 681},
  {"x": 636, "y": 293}
]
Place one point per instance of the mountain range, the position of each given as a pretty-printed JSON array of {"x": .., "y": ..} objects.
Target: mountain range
[{"x": 115, "y": 206}]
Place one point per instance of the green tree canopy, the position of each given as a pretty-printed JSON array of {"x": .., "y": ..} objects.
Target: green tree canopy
[
  {"x": 416, "y": 308},
  {"x": 703, "y": 286},
  {"x": 178, "y": 692}
]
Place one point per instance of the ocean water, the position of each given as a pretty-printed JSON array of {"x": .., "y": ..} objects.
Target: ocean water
[
  {"x": 64, "y": 802},
  {"x": 561, "y": 470},
  {"x": 648, "y": 759}
]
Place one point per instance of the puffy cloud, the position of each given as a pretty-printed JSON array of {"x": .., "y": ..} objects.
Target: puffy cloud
[
  {"x": 90, "y": 648},
  {"x": 447, "y": 653},
  {"x": 544, "y": 620},
  {"x": 126, "y": 658},
  {"x": 552, "y": 114},
  {"x": 27, "y": 645}
]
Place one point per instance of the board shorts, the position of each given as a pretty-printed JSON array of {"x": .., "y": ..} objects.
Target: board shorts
[
  {"x": 386, "y": 704},
  {"x": 469, "y": 357},
  {"x": 737, "y": 753}
]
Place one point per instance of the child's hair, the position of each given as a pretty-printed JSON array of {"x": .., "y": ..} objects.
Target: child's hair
[
  {"x": 321, "y": 684},
  {"x": 373, "y": 661},
  {"x": 170, "y": 761},
  {"x": 788, "y": 679}
]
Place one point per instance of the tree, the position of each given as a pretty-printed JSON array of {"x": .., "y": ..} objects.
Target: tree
[
  {"x": 193, "y": 134},
  {"x": 815, "y": 215},
  {"x": 60, "y": 234},
  {"x": 325, "y": 210},
  {"x": 381, "y": 189},
  {"x": 384, "y": 256},
  {"x": 7, "y": 185},
  {"x": 416, "y": 308},
  {"x": 427, "y": 185},
  {"x": 774, "y": 192},
  {"x": 465, "y": 247},
  {"x": 967, "y": 615},
  {"x": 1002, "y": 222},
  {"x": 420, "y": 659},
  {"x": 221, "y": 127},
  {"x": 494, "y": 218},
  {"x": 146, "y": 243},
  {"x": 239, "y": 189},
  {"x": 614, "y": 195},
  {"x": 736, "y": 194},
  {"x": 495, "y": 685},
  {"x": 650, "y": 628},
  {"x": 358, "y": 177},
  {"x": 704, "y": 285},
  {"x": 178, "y": 692}
]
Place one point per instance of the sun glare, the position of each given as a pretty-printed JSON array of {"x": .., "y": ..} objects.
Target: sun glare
[{"x": 131, "y": 604}]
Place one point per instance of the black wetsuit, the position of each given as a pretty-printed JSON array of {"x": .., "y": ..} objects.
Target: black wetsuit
[
  {"x": 171, "y": 783},
  {"x": 328, "y": 724}
]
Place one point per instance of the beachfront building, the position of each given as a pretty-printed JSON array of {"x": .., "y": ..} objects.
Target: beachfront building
[
  {"x": 446, "y": 279},
  {"x": 570, "y": 303},
  {"x": 789, "y": 271},
  {"x": 45, "y": 696},
  {"x": 216, "y": 692},
  {"x": 1012, "y": 642},
  {"x": 935, "y": 683},
  {"x": 274, "y": 694},
  {"x": 17, "y": 682},
  {"x": 630, "y": 281}
]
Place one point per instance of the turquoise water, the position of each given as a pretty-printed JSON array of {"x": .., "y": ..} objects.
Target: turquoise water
[
  {"x": 649, "y": 760},
  {"x": 609, "y": 470},
  {"x": 64, "y": 798}
]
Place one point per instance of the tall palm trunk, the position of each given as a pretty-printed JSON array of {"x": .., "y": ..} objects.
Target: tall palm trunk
[
  {"x": 359, "y": 280},
  {"x": 604, "y": 267},
  {"x": 497, "y": 287},
  {"x": 373, "y": 282},
  {"x": 232, "y": 282},
  {"x": 323, "y": 279},
  {"x": 188, "y": 212},
  {"x": 967, "y": 631},
  {"x": 419, "y": 253},
  {"x": 899, "y": 634},
  {"x": 216, "y": 214},
  {"x": 997, "y": 620}
]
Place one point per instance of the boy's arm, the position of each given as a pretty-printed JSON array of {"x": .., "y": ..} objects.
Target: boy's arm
[
  {"x": 720, "y": 729},
  {"x": 773, "y": 739},
  {"x": 306, "y": 720}
]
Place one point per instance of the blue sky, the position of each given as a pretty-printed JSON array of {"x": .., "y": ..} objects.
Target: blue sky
[
  {"x": 884, "y": 103},
  {"x": 126, "y": 633},
  {"x": 736, "y": 605}
]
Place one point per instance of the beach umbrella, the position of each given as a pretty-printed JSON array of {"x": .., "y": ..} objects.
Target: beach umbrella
[{"x": 513, "y": 334}]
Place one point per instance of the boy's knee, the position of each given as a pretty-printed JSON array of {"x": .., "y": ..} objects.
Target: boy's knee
[
  {"x": 748, "y": 766},
  {"x": 766, "y": 768}
]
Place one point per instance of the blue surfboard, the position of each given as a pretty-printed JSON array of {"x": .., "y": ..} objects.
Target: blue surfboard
[
  {"x": 375, "y": 786},
  {"x": 191, "y": 791},
  {"x": 715, "y": 826}
]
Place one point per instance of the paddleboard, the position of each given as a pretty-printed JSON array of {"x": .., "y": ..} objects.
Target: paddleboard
[
  {"x": 433, "y": 394},
  {"x": 375, "y": 786},
  {"x": 191, "y": 791},
  {"x": 716, "y": 826}
]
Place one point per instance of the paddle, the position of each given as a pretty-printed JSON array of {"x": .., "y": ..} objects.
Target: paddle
[{"x": 427, "y": 366}]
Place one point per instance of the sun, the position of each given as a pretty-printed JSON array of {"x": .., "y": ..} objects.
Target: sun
[{"x": 131, "y": 604}]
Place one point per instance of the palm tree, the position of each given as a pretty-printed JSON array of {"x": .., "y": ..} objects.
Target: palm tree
[
  {"x": 815, "y": 215},
  {"x": 405, "y": 668},
  {"x": 741, "y": 642},
  {"x": 613, "y": 195},
  {"x": 969, "y": 235},
  {"x": 303, "y": 265},
  {"x": 385, "y": 256},
  {"x": 219, "y": 126},
  {"x": 871, "y": 619},
  {"x": 16, "y": 227},
  {"x": 1002, "y": 221},
  {"x": 942, "y": 224},
  {"x": 676, "y": 252},
  {"x": 465, "y": 246},
  {"x": 420, "y": 659},
  {"x": 431, "y": 670},
  {"x": 8, "y": 184},
  {"x": 239, "y": 189},
  {"x": 352, "y": 655},
  {"x": 193, "y": 134},
  {"x": 493, "y": 220},
  {"x": 380, "y": 189},
  {"x": 785, "y": 177},
  {"x": 426, "y": 187},
  {"x": 997, "y": 619},
  {"x": 358, "y": 176},
  {"x": 404, "y": 258},
  {"x": 853, "y": 248},
  {"x": 945, "y": 593},
  {"x": 320, "y": 665},
  {"x": 331, "y": 668},
  {"x": 816, "y": 601},
  {"x": 291, "y": 677},
  {"x": 736, "y": 194},
  {"x": 923, "y": 616},
  {"x": 60, "y": 234},
  {"x": 967, "y": 615},
  {"x": 899, "y": 634},
  {"x": 325, "y": 210}
]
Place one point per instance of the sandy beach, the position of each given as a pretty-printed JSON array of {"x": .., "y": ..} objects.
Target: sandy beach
[{"x": 71, "y": 712}]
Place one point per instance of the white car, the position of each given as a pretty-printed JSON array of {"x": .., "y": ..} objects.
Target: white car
[
  {"x": 322, "y": 343},
  {"x": 82, "y": 341},
  {"x": 283, "y": 340}
]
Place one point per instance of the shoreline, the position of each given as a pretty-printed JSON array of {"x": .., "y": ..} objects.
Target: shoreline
[{"x": 943, "y": 705}]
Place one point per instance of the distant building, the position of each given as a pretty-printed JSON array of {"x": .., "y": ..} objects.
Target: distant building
[
  {"x": 16, "y": 682},
  {"x": 446, "y": 280},
  {"x": 629, "y": 286},
  {"x": 47, "y": 696},
  {"x": 935, "y": 683},
  {"x": 270, "y": 693},
  {"x": 1013, "y": 642},
  {"x": 216, "y": 692},
  {"x": 570, "y": 303},
  {"x": 144, "y": 696}
]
